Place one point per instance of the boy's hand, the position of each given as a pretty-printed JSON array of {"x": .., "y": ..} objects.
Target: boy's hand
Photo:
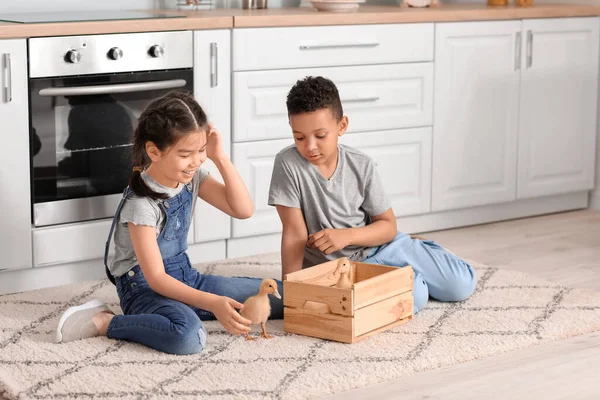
[
  {"x": 329, "y": 240},
  {"x": 224, "y": 309},
  {"x": 214, "y": 146}
]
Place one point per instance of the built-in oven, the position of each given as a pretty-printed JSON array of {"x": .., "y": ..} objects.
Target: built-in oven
[{"x": 86, "y": 93}]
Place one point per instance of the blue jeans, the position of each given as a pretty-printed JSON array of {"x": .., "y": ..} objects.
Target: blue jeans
[
  {"x": 438, "y": 273},
  {"x": 168, "y": 325}
]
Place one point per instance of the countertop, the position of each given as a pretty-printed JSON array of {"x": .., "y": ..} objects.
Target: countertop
[{"x": 279, "y": 17}]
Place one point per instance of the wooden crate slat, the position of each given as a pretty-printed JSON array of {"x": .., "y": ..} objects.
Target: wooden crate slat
[
  {"x": 296, "y": 294},
  {"x": 383, "y": 313},
  {"x": 321, "y": 274},
  {"x": 324, "y": 326},
  {"x": 373, "y": 290},
  {"x": 366, "y": 271},
  {"x": 382, "y": 329}
]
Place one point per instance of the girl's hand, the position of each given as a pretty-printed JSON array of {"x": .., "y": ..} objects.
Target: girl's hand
[
  {"x": 214, "y": 145},
  {"x": 329, "y": 240},
  {"x": 224, "y": 309}
]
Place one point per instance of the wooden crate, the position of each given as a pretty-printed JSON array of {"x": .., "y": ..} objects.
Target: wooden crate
[{"x": 381, "y": 298}]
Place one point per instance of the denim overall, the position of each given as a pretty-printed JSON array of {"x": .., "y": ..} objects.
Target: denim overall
[{"x": 162, "y": 323}]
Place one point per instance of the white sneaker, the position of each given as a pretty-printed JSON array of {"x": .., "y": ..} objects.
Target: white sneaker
[{"x": 76, "y": 322}]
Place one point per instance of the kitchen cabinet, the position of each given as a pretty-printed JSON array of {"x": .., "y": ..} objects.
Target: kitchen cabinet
[
  {"x": 468, "y": 122},
  {"x": 476, "y": 105},
  {"x": 212, "y": 89},
  {"x": 384, "y": 74},
  {"x": 515, "y": 108},
  {"x": 558, "y": 103},
  {"x": 15, "y": 202}
]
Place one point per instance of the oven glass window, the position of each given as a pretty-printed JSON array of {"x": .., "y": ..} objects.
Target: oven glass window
[{"x": 81, "y": 143}]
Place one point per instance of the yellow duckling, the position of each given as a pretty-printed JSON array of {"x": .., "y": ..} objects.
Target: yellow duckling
[
  {"x": 343, "y": 268},
  {"x": 258, "y": 308}
]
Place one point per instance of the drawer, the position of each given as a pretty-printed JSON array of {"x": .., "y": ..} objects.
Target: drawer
[
  {"x": 403, "y": 159},
  {"x": 74, "y": 242},
  {"x": 321, "y": 46},
  {"x": 375, "y": 97}
]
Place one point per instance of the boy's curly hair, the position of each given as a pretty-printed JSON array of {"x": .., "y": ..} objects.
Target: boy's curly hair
[{"x": 314, "y": 93}]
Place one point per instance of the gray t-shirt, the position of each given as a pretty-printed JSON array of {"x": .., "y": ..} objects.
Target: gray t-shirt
[
  {"x": 144, "y": 211},
  {"x": 348, "y": 199}
]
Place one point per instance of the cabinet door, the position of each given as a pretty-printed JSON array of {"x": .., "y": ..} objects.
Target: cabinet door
[
  {"x": 255, "y": 161},
  {"x": 15, "y": 203},
  {"x": 375, "y": 97},
  {"x": 212, "y": 89},
  {"x": 559, "y": 90},
  {"x": 476, "y": 103},
  {"x": 403, "y": 159}
]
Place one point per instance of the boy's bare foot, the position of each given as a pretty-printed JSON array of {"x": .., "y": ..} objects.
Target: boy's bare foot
[{"x": 84, "y": 321}]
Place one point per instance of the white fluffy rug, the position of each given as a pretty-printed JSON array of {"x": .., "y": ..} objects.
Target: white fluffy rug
[{"x": 509, "y": 311}]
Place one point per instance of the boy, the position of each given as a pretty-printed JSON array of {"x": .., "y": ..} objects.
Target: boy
[{"x": 332, "y": 203}]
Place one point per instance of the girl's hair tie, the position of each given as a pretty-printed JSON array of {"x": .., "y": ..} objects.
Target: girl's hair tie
[{"x": 137, "y": 169}]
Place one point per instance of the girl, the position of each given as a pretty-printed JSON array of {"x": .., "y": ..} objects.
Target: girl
[{"x": 163, "y": 298}]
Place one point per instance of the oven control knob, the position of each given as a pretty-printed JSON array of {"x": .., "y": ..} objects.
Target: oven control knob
[
  {"x": 156, "y": 51},
  {"x": 72, "y": 56},
  {"x": 115, "y": 53}
]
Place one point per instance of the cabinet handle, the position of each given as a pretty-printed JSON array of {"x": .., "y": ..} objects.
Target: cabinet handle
[
  {"x": 518, "y": 40},
  {"x": 529, "y": 49},
  {"x": 109, "y": 89},
  {"x": 214, "y": 65},
  {"x": 334, "y": 46},
  {"x": 360, "y": 99},
  {"x": 6, "y": 69}
]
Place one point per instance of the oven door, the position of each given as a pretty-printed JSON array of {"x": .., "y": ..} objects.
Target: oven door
[{"x": 81, "y": 131}]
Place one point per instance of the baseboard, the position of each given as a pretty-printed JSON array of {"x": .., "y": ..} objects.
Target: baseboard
[
  {"x": 43, "y": 277},
  {"x": 243, "y": 247},
  {"x": 493, "y": 213},
  {"x": 248, "y": 246},
  {"x": 210, "y": 251},
  {"x": 595, "y": 201}
]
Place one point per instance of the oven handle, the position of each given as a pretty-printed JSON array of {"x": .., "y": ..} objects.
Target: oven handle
[{"x": 109, "y": 89}]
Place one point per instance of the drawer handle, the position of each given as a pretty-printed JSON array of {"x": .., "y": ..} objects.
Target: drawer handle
[
  {"x": 361, "y": 99},
  {"x": 7, "y": 77},
  {"x": 336, "y": 46},
  {"x": 518, "y": 40},
  {"x": 214, "y": 65},
  {"x": 529, "y": 49},
  {"x": 110, "y": 89}
]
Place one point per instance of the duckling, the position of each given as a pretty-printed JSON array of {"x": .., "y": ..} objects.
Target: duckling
[
  {"x": 258, "y": 308},
  {"x": 343, "y": 268}
]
